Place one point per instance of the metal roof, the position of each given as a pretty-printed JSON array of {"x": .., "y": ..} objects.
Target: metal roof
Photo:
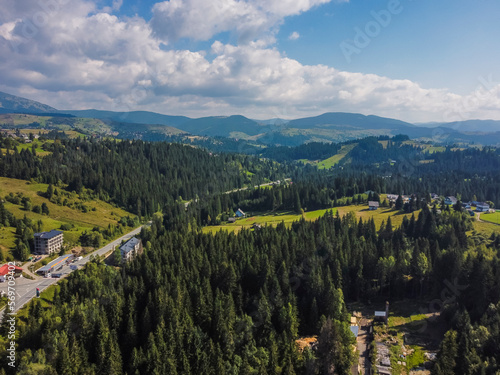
[
  {"x": 379, "y": 313},
  {"x": 355, "y": 330},
  {"x": 53, "y": 233},
  {"x": 54, "y": 263},
  {"x": 129, "y": 245}
]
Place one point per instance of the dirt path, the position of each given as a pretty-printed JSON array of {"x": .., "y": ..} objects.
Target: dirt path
[
  {"x": 27, "y": 271},
  {"x": 364, "y": 346},
  {"x": 478, "y": 218}
]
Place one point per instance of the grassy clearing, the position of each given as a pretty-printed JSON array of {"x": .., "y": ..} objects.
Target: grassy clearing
[
  {"x": 103, "y": 215},
  {"x": 265, "y": 219},
  {"x": 434, "y": 149},
  {"x": 491, "y": 218},
  {"x": 269, "y": 218},
  {"x": 485, "y": 228},
  {"x": 335, "y": 159},
  {"x": 409, "y": 335},
  {"x": 384, "y": 143},
  {"x": 379, "y": 216}
]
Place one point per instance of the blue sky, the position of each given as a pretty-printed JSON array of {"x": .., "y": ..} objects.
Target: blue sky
[{"x": 431, "y": 61}]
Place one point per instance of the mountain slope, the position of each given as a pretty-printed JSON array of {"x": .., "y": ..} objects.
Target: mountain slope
[
  {"x": 483, "y": 126},
  {"x": 222, "y": 126},
  {"x": 135, "y": 117},
  {"x": 11, "y": 103},
  {"x": 341, "y": 119}
]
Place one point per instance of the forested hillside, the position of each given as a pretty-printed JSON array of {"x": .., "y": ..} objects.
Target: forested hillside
[
  {"x": 139, "y": 176},
  {"x": 234, "y": 304}
]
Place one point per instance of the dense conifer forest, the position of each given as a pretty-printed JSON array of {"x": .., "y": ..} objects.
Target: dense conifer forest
[
  {"x": 234, "y": 304},
  {"x": 228, "y": 303}
]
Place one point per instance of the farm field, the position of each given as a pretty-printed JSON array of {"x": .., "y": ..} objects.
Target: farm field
[
  {"x": 491, "y": 217},
  {"x": 485, "y": 228},
  {"x": 265, "y": 219},
  {"x": 379, "y": 216},
  {"x": 361, "y": 211},
  {"x": 103, "y": 215}
]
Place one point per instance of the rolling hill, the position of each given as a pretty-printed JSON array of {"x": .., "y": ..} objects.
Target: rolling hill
[
  {"x": 15, "y": 104},
  {"x": 135, "y": 117},
  {"x": 483, "y": 126},
  {"x": 223, "y": 126},
  {"x": 342, "y": 120}
]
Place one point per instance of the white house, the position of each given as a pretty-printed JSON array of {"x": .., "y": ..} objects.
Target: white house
[
  {"x": 482, "y": 207},
  {"x": 450, "y": 200}
]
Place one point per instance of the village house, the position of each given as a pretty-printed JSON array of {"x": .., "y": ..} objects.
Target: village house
[
  {"x": 392, "y": 197},
  {"x": 482, "y": 207},
  {"x": 373, "y": 205},
  {"x": 239, "y": 213},
  {"x": 450, "y": 200}
]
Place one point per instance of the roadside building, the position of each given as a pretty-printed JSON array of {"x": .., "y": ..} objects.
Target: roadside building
[
  {"x": 130, "y": 249},
  {"x": 48, "y": 242},
  {"x": 4, "y": 272},
  {"x": 55, "y": 265}
]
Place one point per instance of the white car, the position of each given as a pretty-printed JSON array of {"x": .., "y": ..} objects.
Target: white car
[{"x": 48, "y": 276}]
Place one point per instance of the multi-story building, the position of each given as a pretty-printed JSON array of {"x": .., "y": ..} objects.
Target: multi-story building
[
  {"x": 130, "y": 249},
  {"x": 48, "y": 242}
]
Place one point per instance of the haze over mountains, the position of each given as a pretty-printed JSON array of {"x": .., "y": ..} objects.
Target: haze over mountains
[{"x": 329, "y": 127}]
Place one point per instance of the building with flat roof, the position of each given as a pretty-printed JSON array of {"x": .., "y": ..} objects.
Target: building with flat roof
[
  {"x": 130, "y": 248},
  {"x": 48, "y": 242},
  {"x": 55, "y": 265}
]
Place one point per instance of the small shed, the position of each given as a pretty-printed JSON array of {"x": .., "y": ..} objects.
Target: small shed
[
  {"x": 354, "y": 330},
  {"x": 373, "y": 205}
]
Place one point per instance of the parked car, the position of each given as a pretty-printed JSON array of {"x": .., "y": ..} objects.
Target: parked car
[
  {"x": 56, "y": 275},
  {"x": 48, "y": 276}
]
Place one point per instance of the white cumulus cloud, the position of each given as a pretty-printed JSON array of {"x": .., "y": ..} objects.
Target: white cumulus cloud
[
  {"x": 86, "y": 58},
  {"x": 294, "y": 36}
]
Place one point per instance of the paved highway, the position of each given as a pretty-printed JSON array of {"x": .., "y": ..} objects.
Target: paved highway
[{"x": 26, "y": 288}]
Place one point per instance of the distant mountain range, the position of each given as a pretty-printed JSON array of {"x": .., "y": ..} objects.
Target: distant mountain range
[{"x": 328, "y": 127}]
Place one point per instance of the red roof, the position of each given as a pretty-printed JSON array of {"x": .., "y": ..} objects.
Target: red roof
[{"x": 4, "y": 270}]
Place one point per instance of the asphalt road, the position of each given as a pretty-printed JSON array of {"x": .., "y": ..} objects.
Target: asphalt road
[{"x": 26, "y": 289}]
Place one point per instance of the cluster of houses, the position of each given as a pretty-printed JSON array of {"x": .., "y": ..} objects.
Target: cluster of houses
[
  {"x": 480, "y": 206},
  {"x": 22, "y": 137},
  {"x": 449, "y": 200}
]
